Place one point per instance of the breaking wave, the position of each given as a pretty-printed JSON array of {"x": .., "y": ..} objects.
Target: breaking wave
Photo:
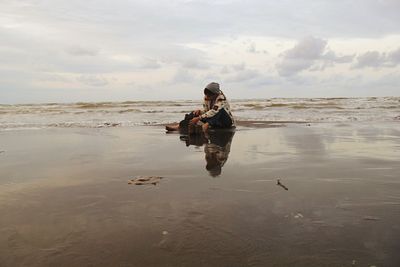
[{"x": 132, "y": 113}]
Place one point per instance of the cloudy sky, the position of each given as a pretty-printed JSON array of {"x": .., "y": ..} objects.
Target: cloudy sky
[{"x": 101, "y": 50}]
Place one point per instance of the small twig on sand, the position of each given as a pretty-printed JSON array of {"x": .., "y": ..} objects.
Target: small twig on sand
[{"x": 278, "y": 182}]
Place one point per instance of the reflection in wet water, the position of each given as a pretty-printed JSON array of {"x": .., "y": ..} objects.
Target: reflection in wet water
[
  {"x": 217, "y": 145},
  {"x": 64, "y": 198}
]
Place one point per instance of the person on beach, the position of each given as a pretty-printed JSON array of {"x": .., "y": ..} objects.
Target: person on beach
[{"x": 216, "y": 113}]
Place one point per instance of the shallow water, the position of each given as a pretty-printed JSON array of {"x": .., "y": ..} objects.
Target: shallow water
[{"x": 65, "y": 198}]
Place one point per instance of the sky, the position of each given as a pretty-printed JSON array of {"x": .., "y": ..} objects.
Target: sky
[{"x": 73, "y": 50}]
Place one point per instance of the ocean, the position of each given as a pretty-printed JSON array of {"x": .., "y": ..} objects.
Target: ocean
[{"x": 134, "y": 113}]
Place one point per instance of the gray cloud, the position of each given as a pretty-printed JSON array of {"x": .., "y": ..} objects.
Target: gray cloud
[
  {"x": 370, "y": 59},
  {"x": 183, "y": 76},
  {"x": 242, "y": 76},
  {"x": 302, "y": 56},
  {"x": 309, "y": 48},
  {"x": 92, "y": 80},
  {"x": 329, "y": 59},
  {"x": 150, "y": 63},
  {"x": 239, "y": 67},
  {"x": 185, "y": 57},
  {"x": 174, "y": 21},
  {"x": 225, "y": 70},
  {"x": 394, "y": 56},
  {"x": 376, "y": 59},
  {"x": 195, "y": 64},
  {"x": 89, "y": 39},
  {"x": 251, "y": 48},
  {"x": 332, "y": 57},
  {"x": 238, "y": 73},
  {"x": 81, "y": 51},
  {"x": 310, "y": 53}
]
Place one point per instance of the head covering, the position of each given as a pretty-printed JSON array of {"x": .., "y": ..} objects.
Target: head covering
[
  {"x": 213, "y": 88},
  {"x": 214, "y": 170}
]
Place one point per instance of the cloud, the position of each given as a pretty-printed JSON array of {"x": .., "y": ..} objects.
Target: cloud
[
  {"x": 310, "y": 53},
  {"x": 92, "y": 80},
  {"x": 332, "y": 57},
  {"x": 84, "y": 43},
  {"x": 237, "y": 73},
  {"x": 239, "y": 67},
  {"x": 376, "y": 59},
  {"x": 302, "y": 56},
  {"x": 183, "y": 76},
  {"x": 370, "y": 59},
  {"x": 394, "y": 56},
  {"x": 329, "y": 59},
  {"x": 194, "y": 63},
  {"x": 252, "y": 48},
  {"x": 150, "y": 63},
  {"x": 224, "y": 70},
  {"x": 242, "y": 76},
  {"x": 184, "y": 56},
  {"x": 81, "y": 51}
]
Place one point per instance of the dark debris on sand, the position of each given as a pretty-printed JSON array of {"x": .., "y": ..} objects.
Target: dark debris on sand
[
  {"x": 145, "y": 180},
  {"x": 278, "y": 182}
]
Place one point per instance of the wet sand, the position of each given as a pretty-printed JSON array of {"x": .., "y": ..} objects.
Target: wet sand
[{"x": 65, "y": 198}]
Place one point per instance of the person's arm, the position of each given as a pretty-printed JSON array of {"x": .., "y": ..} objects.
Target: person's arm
[
  {"x": 214, "y": 110},
  {"x": 199, "y": 112}
]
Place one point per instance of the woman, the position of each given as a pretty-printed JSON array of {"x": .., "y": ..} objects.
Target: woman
[{"x": 216, "y": 113}]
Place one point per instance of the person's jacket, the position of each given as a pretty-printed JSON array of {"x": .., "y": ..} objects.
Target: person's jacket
[{"x": 212, "y": 107}]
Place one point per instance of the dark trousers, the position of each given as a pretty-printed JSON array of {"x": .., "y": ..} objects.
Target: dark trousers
[
  {"x": 185, "y": 122},
  {"x": 220, "y": 120}
]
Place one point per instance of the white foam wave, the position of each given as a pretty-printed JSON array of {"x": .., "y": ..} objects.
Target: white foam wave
[{"x": 132, "y": 113}]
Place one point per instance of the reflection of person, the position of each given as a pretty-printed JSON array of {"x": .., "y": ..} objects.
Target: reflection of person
[
  {"x": 216, "y": 113},
  {"x": 217, "y": 151},
  {"x": 217, "y": 145}
]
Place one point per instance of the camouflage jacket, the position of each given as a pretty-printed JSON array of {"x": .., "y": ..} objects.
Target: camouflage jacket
[{"x": 210, "y": 108}]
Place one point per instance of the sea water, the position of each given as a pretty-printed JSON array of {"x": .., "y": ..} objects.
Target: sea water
[{"x": 133, "y": 113}]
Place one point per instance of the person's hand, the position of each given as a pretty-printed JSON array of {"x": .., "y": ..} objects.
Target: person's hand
[
  {"x": 195, "y": 120},
  {"x": 197, "y": 112}
]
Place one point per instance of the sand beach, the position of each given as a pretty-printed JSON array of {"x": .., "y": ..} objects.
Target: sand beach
[
  {"x": 309, "y": 177},
  {"x": 66, "y": 200}
]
